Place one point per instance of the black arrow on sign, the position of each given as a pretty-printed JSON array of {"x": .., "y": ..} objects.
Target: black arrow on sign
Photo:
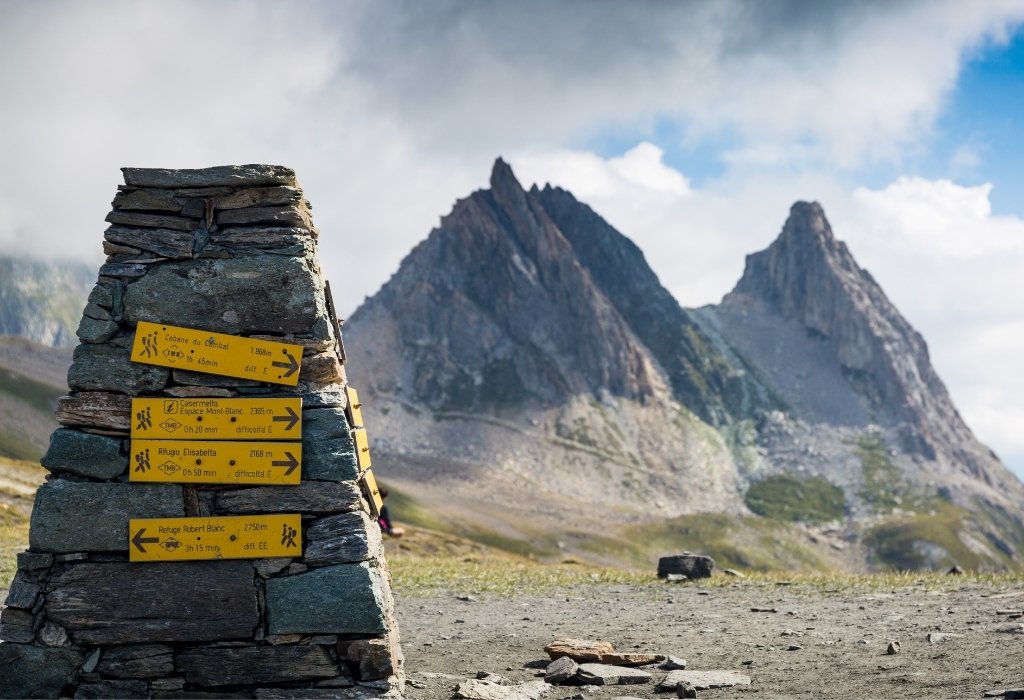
[
  {"x": 291, "y": 365},
  {"x": 139, "y": 540},
  {"x": 292, "y": 418},
  {"x": 291, "y": 463}
]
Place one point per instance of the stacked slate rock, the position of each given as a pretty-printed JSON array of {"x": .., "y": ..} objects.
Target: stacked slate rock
[{"x": 232, "y": 250}]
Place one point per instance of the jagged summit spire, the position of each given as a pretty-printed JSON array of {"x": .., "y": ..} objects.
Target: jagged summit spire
[{"x": 502, "y": 177}]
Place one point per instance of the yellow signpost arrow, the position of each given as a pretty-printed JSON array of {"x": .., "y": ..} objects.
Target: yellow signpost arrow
[
  {"x": 216, "y": 353},
  {"x": 231, "y": 537},
  {"x": 217, "y": 419},
  {"x": 196, "y": 462},
  {"x": 362, "y": 449}
]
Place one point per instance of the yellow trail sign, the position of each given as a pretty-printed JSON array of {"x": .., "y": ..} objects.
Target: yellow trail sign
[
  {"x": 217, "y": 353},
  {"x": 195, "y": 462},
  {"x": 232, "y": 537},
  {"x": 372, "y": 492},
  {"x": 355, "y": 408},
  {"x": 217, "y": 419},
  {"x": 362, "y": 449}
]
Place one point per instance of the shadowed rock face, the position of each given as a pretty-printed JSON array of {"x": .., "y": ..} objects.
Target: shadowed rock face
[
  {"x": 528, "y": 298},
  {"x": 495, "y": 311},
  {"x": 808, "y": 282}
]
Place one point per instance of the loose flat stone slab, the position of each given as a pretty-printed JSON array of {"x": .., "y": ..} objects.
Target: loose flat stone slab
[
  {"x": 310, "y": 496},
  {"x": 147, "y": 200},
  {"x": 603, "y": 674},
  {"x": 328, "y": 452},
  {"x": 632, "y": 659},
  {"x": 249, "y": 665},
  {"x": 580, "y": 650},
  {"x": 122, "y": 603},
  {"x": 75, "y": 516},
  {"x": 338, "y": 539},
  {"x": 220, "y": 293},
  {"x": 477, "y": 689},
  {"x": 162, "y": 221},
  {"x": 342, "y": 599},
  {"x": 109, "y": 368},
  {"x": 251, "y": 175},
  {"x": 702, "y": 680},
  {"x": 35, "y": 672},
  {"x": 85, "y": 454},
  {"x": 939, "y": 637}
]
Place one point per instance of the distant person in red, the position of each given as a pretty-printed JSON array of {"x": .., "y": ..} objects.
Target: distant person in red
[{"x": 386, "y": 524}]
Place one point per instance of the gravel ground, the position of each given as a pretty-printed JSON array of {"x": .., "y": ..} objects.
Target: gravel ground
[{"x": 819, "y": 643}]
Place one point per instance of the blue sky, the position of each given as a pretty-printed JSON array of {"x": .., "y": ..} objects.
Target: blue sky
[{"x": 691, "y": 126}]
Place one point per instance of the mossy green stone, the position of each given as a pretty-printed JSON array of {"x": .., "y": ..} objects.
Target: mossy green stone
[
  {"x": 328, "y": 453},
  {"x": 35, "y": 672},
  {"x": 95, "y": 456},
  {"x": 74, "y": 516},
  {"x": 343, "y": 599}
]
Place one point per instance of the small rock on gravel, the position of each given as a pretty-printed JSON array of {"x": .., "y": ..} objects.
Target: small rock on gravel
[
  {"x": 1012, "y": 629},
  {"x": 601, "y": 674},
  {"x": 685, "y": 690},
  {"x": 561, "y": 670},
  {"x": 690, "y": 565},
  {"x": 702, "y": 680},
  {"x": 893, "y": 648},
  {"x": 674, "y": 663}
]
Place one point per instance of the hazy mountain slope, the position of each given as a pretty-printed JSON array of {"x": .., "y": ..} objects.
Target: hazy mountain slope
[
  {"x": 43, "y": 301},
  {"x": 32, "y": 376}
]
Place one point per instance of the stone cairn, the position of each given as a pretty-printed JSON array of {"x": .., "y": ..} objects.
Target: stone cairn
[{"x": 228, "y": 250}]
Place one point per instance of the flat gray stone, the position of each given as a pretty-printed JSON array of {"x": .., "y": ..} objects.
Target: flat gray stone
[
  {"x": 96, "y": 690},
  {"x": 219, "y": 295},
  {"x": 35, "y": 672},
  {"x": 73, "y": 516},
  {"x": 328, "y": 452},
  {"x": 250, "y": 665},
  {"x": 23, "y": 592},
  {"x": 310, "y": 497},
  {"x": 108, "y": 368},
  {"x": 342, "y": 599},
  {"x": 91, "y": 330},
  {"x": 251, "y": 175},
  {"x": 702, "y": 680},
  {"x": 94, "y": 456},
  {"x": 123, "y": 603},
  {"x": 31, "y": 561},
  {"x": 284, "y": 217},
  {"x": 339, "y": 539},
  {"x": 603, "y": 674},
  {"x": 674, "y": 663},
  {"x": 137, "y": 661},
  {"x": 939, "y": 637}
]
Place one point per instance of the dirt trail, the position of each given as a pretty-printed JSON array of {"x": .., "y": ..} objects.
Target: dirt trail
[{"x": 842, "y": 638}]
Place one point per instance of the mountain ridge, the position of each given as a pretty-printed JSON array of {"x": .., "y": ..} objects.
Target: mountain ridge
[{"x": 603, "y": 392}]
